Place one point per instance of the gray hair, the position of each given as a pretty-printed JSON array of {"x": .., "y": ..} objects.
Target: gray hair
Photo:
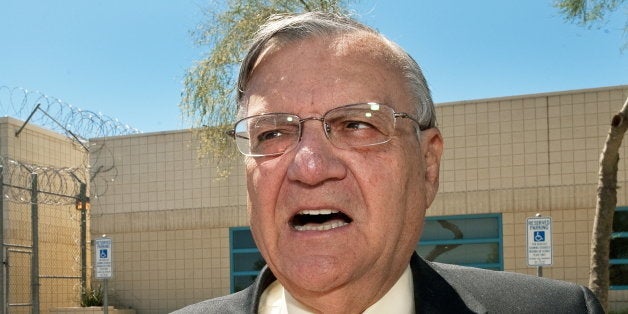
[{"x": 288, "y": 28}]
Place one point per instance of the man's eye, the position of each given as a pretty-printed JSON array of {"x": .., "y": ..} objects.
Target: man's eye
[
  {"x": 356, "y": 125},
  {"x": 269, "y": 135}
]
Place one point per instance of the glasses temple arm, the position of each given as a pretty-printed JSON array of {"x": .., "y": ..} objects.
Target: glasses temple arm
[
  {"x": 233, "y": 134},
  {"x": 407, "y": 116}
]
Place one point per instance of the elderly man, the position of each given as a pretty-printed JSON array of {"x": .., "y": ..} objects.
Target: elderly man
[{"x": 342, "y": 161}]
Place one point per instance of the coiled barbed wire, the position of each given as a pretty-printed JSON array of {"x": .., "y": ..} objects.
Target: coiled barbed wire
[
  {"x": 19, "y": 103},
  {"x": 59, "y": 185},
  {"x": 56, "y": 186}
]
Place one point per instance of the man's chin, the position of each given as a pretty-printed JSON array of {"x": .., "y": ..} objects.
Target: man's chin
[{"x": 314, "y": 274}]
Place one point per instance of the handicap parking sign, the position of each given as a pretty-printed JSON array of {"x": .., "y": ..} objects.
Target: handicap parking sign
[
  {"x": 539, "y": 241},
  {"x": 102, "y": 258}
]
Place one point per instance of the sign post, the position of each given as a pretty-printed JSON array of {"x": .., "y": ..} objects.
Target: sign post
[
  {"x": 103, "y": 268},
  {"x": 539, "y": 242}
]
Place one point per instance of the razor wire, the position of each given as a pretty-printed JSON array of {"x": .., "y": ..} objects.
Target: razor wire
[
  {"x": 19, "y": 103},
  {"x": 55, "y": 186},
  {"x": 60, "y": 185}
]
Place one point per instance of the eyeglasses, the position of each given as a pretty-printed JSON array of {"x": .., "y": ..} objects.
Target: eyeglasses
[{"x": 346, "y": 127}]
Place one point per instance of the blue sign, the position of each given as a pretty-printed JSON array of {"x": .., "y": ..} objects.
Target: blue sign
[
  {"x": 103, "y": 253},
  {"x": 539, "y": 236}
]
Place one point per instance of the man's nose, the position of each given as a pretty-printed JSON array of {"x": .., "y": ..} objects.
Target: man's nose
[{"x": 315, "y": 159}]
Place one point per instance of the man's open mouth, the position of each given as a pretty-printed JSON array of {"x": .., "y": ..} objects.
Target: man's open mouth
[{"x": 319, "y": 220}]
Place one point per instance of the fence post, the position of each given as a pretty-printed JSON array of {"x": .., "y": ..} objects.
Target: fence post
[
  {"x": 83, "y": 200},
  {"x": 3, "y": 279},
  {"x": 35, "y": 246}
]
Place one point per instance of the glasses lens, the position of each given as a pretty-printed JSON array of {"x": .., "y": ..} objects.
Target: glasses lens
[
  {"x": 360, "y": 125},
  {"x": 266, "y": 135}
]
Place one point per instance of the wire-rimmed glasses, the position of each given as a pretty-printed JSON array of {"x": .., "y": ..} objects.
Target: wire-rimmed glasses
[{"x": 355, "y": 125}]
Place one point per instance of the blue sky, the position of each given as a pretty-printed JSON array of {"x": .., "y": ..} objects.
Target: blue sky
[{"x": 127, "y": 58}]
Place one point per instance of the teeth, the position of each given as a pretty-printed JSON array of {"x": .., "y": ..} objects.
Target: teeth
[
  {"x": 318, "y": 212},
  {"x": 332, "y": 223},
  {"x": 323, "y": 227}
]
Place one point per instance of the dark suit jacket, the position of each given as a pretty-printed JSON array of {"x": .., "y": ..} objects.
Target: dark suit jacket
[{"x": 443, "y": 288}]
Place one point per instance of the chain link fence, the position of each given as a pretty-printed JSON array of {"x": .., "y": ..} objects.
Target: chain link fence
[
  {"x": 55, "y": 243},
  {"x": 44, "y": 237},
  {"x": 18, "y": 258}
]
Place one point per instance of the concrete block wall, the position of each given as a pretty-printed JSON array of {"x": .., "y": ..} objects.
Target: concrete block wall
[
  {"x": 168, "y": 214},
  {"x": 531, "y": 154}
]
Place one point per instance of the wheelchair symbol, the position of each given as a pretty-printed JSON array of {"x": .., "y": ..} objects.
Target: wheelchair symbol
[
  {"x": 103, "y": 253},
  {"x": 539, "y": 236}
]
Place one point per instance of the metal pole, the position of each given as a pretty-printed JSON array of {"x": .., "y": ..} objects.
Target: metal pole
[
  {"x": 106, "y": 297},
  {"x": 3, "y": 280},
  {"x": 27, "y": 119},
  {"x": 5, "y": 293},
  {"x": 35, "y": 239},
  {"x": 539, "y": 269},
  {"x": 83, "y": 200}
]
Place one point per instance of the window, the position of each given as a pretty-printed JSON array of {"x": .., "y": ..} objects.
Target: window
[
  {"x": 618, "y": 257},
  {"x": 464, "y": 240},
  {"x": 474, "y": 240},
  {"x": 246, "y": 261}
]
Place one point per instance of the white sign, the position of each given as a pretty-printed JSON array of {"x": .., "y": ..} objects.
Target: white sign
[
  {"x": 539, "y": 241},
  {"x": 102, "y": 264}
]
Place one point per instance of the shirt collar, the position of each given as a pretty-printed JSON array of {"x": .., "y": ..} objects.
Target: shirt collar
[{"x": 399, "y": 299}]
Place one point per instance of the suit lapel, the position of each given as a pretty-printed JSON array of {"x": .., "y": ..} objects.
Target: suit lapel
[
  {"x": 433, "y": 294},
  {"x": 262, "y": 282}
]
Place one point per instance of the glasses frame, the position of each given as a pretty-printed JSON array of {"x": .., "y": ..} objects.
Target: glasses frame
[{"x": 404, "y": 115}]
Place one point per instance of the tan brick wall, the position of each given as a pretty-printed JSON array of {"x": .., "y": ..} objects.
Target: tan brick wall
[
  {"x": 168, "y": 214},
  {"x": 531, "y": 154}
]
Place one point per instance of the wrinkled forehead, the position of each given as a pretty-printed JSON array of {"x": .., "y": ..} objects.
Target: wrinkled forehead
[
  {"x": 368, "y": 45},
  {"x": 350, "y": 49}
]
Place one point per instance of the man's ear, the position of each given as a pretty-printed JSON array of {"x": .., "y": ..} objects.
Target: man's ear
[{"x": 432, "y": 149}]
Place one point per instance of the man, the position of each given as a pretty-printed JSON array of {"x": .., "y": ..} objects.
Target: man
[{"x": 342, "y": 161}]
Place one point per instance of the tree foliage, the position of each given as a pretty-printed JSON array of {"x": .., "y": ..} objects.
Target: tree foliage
[
  {"x": 590, "y": 13},
  {"x": 587, "y": 12},
  {"x": 208, "y": 98}
]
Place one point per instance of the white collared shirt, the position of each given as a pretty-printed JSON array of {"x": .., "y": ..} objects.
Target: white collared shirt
[{"x": 399, "y": 299}]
